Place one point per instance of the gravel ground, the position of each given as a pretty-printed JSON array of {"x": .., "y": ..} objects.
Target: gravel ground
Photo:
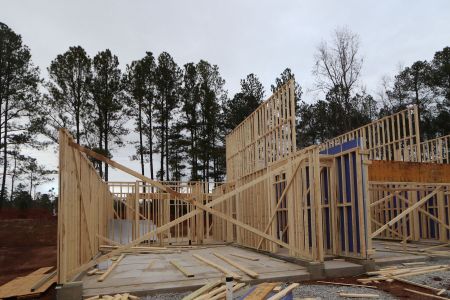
[
  {"x": 439, "y": 280},
  {"x": 326, "y": 292},
  {"x": 323, "y": 292}
]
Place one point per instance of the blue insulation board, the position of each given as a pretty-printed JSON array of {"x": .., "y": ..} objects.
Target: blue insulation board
[{"x": 344, "y": 185}]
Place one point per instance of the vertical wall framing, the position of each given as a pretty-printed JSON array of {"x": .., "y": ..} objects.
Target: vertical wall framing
[
  {"x": 436, "y": 150},
  {"x": 395, "y": 137},
  {"x": 316, "y": 203},
  {"x": 84, "y": 208},
  {"x": 140, "y": 208},
  {"x": 264, "y": 137}
]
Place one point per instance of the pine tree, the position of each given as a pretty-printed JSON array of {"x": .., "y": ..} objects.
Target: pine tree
[
  {"x": 167, "y": 84},
  {"x": 139, "y": 82},
  {"x": 69, "y": 94},
  {"x": 19, "y": 80},
  {"x": 109, "y": 113}
]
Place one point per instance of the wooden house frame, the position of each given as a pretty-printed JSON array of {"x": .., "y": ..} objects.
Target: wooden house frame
[{"x": 328, "y": 199}]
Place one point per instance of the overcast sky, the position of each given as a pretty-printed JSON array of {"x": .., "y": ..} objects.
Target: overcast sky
[{"x": 241, "y": 37}]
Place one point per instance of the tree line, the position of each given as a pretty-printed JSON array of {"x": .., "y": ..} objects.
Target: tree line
[{"x": 177, "y": 116}]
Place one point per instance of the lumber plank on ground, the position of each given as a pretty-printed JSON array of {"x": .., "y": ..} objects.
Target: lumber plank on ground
[
  {"x": 43, "y": 280},
  {"x": 207, "y": 287},
  {"x": 223, "y": 294},
  {"x": 218, "y": 267},
  {"x": 237, "y": 265},
  {"x": 424, "y": 294},
  {"x": 354, "y": 295},
  {"x": 212, "y": 293},
  {"x": 92, "y": 272},
  {"x": 418, "y": 284},
  {"x": 348, "y": 284},
  {"x": 181, "y": 269},
  {"x": 21, "y": 286},
  {"x": 111, "y": 268},
  {"x": 261, "y": 291},
  {"x": 284, "y": 292}
]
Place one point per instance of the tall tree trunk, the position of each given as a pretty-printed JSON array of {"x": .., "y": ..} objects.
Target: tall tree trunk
[
  {"x": 13, "y": 177},
  {"x": 106, "y": 129},
  {"x": 167, "y": 146},
  {"x": 150, "y": 140},
  {"x": 5, "y": 155},
  {"x": 77, "y": 121},
  {"x": 141, "y": 146},
  {"x": 100, "y": 146}
]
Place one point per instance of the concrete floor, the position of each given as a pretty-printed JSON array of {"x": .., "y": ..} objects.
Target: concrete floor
[
  {"x": 134, "y": 275},
  {"x": 392, "y": 252}
]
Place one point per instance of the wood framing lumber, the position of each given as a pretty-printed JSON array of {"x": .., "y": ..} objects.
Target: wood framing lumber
[
  {"x": 92, "y": 272},
  {"x": 218, "y": 267},
  {"x": 237, "y": 265},
  {"x": 245, "y": 256},
  {"x": 418, "y": 284},
  {"x": 43, "y": 280},
  {"x": 212, "y": 293},
  {"x": 183, "y": 218},
  {"x": 354, "y": 295},
  {"x": 121, "y": 167},
  {"x": 105, "y": 239},
  {"x": 261, "y": 291},
  {"x": 284, "y": 292},
  {"x": 348, "y": 284},
  {"x": 434, "y": 247},
  {"x": 111, "y": 268},
  {"x": 181, "y": 268},
  {"x": 223, "y": 294},
  {"x": 272, "y": 217},
  {"x": 424, "y": 294},
  {"x": 206, "y": 288},
  {"x": 93, "y": 298},
  {"x": 406, "y": 212}
]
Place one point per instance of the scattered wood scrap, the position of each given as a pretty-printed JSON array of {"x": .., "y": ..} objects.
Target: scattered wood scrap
[
  {"x": 284, "y": 292},
  {"x": 218, "y": 267},
  {"x": 181, "y": 269},
  {"x": 219, "y": 292},
  {"x": 206, "y": 288},
  {"x": 139, "y": 249},
  {"x": 22, "y": 286},
  {"x": 237, "y": 266},
  {"x": 261, "y": 291},
  {"x": 349, "y": 284},
  {"x": 125, "y": 296},
  {"x": 393, "y": 274},
  {"x": 425, "y": 294},
  {"x": 354, "y": 295},
  {"x": 111, "y": 268}
]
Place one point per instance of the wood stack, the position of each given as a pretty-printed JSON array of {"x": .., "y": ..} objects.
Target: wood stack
[
  {"x": 213, "y": 290},
  {"x": 394, "y": 273}
]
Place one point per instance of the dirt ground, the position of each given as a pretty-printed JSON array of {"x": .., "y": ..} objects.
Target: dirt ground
[{"x": 27, "y": 242}]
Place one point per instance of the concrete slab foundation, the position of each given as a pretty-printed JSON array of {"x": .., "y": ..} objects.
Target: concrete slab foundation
[{"x": 147, "y": 274}]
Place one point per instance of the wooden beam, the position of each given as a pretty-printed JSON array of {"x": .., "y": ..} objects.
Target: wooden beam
[
  {"x": 284, "y": 292},
  {"x": 406, "y": 212},
  {"x": 181, "y": 269},
  {"x": 207, "y": 287},
  {"x": 237, "y": 265},
  {"x": 218, "y": 267},
  {"x": 111, "y": 268}
]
